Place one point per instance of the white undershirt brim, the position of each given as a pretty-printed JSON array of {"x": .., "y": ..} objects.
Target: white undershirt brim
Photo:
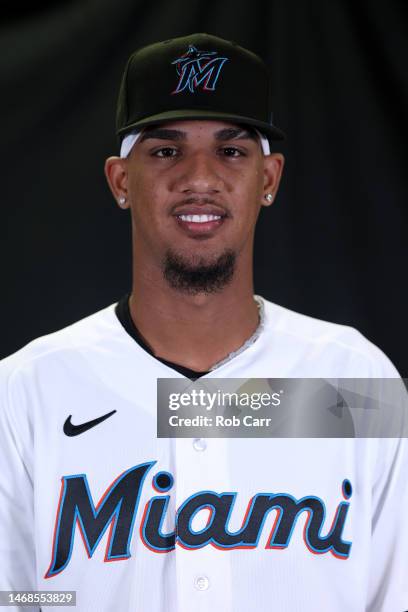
[{"x": 130, "y": 140}]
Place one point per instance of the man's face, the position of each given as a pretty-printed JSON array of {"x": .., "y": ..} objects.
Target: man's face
[{"x": 195, "y": 189}]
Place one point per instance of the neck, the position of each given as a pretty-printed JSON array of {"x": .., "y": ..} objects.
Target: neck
[{"x": 195, "y": 331}]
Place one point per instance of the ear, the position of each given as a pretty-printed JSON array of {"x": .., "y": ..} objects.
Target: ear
[
  {"x": 117, "y": 177},
  {"x": 273, "y": 167}
]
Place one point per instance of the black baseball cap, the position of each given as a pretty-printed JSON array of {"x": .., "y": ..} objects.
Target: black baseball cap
[{"x": 199, "y": 76}]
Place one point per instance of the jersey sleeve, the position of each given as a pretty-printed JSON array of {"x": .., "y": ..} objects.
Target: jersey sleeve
[
  {"x": 388, "y": 586},
  {"x": 388, "y": 577},
  {"x": 17, "y": 550}
]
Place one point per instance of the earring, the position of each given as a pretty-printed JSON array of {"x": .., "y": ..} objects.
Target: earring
[
  {"x": 122, "y": 200},
  {"x": 269, "y": 197}
]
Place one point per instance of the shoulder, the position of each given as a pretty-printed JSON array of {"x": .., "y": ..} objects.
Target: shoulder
[
  {"x": 329, "y": 341},
  {"x": 83, "y": 334}
]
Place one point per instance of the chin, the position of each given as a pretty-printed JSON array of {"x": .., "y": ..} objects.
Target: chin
[{"x": 196, "y": 272}]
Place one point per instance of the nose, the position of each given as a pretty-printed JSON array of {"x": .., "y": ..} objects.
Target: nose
[{"x": 198, "y": 174}]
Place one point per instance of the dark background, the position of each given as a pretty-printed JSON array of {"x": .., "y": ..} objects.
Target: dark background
[{"x": 334, "y": 243}]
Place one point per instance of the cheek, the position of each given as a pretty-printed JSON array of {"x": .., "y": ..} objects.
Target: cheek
[
  {"x": 141, "y": 187},
  {"x": 144, "y": 193},
  {"x": 150, "y": 207},
  {"x": 251, "y": 180},
  {"x": 251, "y": 190},
  {"x": 259, "y": 180}
]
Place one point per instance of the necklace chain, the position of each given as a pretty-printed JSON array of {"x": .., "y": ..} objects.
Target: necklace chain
[{"x": 251, "y": 340}]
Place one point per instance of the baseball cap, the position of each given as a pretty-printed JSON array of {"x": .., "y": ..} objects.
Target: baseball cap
[{"x": 199, "y": 76}]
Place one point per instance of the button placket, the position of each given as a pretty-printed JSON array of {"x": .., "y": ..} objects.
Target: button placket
[{"x": 195, "y": 469}]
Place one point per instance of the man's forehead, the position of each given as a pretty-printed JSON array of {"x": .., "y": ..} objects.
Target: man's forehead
[{"x": 185, "y": 130}]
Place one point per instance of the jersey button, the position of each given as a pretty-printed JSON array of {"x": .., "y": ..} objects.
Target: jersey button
[
  {"x": 201, "y": 583},
  {"x": 199, "y": 444}
]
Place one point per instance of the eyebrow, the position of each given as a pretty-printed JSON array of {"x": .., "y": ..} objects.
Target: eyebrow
[
  {"x": 163, "y": 134},
  {"x": 233, "y": 133},
  {"x": 178, "y": 135}
]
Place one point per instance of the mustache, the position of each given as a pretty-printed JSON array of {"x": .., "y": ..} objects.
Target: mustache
[
  {"x": 201, "y": 200},
  {"x": 197, "y": 199}
]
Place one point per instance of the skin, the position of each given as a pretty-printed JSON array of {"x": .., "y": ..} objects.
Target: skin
[{"x": 163, "y": 175}]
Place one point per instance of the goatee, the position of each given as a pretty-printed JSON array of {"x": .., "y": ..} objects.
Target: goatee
[{"x": 200, "y": 276}]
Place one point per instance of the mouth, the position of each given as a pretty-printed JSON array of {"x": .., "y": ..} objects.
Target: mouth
[{"x": 200, "y": 221}]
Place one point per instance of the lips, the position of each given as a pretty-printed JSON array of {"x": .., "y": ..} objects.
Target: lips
[{"x": 200, "y": 220}]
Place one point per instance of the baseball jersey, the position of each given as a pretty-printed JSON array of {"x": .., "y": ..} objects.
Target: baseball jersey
[{"x": 91, "y": 500}]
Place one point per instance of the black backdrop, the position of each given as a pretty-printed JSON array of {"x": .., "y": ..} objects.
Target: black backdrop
[{"x": 334, "y": 243}]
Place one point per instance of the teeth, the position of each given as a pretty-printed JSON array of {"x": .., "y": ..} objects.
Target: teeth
[{"x": 199, "y": 218}]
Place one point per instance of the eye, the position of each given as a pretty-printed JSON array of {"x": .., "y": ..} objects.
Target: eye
[
  {"x": 165, "y": 152},
  {"x": 231, "y": 152}
]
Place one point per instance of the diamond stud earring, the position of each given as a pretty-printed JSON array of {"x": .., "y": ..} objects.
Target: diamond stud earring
[
  {"x": 269, "y": 197},
  {"x": 122, "y": 200}
]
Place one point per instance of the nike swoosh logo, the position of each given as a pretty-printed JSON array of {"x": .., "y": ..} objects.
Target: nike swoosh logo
[{"x": 75, "y": 430}]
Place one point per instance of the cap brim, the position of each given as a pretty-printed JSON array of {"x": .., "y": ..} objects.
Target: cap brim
[{"x": 270, "y": 131}]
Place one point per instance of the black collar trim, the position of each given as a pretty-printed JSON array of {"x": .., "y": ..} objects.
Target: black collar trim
[{"x": 122, "y": 311}]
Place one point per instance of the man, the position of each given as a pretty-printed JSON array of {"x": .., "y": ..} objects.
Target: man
[{"x": 91, "y": 500}]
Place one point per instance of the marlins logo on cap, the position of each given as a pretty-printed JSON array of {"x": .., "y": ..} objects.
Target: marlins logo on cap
[{"x": 198, "y": 68}]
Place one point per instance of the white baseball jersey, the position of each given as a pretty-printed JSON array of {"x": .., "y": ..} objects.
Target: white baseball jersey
[{"x": 107, "y": 509}]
